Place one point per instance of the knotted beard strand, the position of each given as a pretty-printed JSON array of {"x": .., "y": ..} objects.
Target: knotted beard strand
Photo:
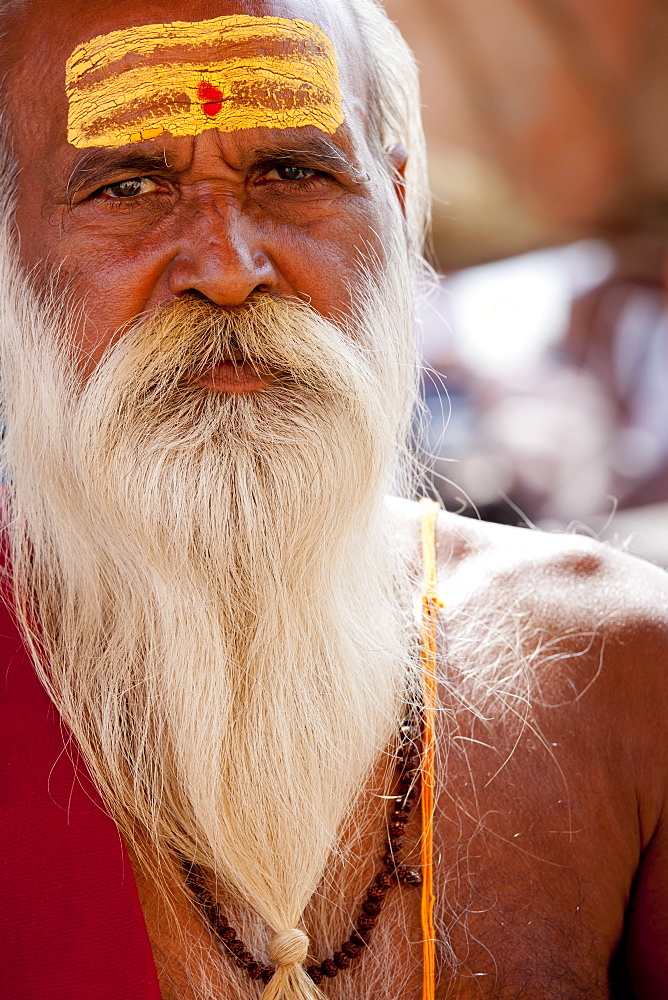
[{"x": 210, "y": 591}]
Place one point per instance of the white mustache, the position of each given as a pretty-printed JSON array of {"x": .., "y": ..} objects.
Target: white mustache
[{"x": 283, "y": 334}]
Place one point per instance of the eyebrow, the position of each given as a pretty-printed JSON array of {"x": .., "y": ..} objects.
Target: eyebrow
[
  {"x": 315, "y": 151},
  {"x": 94, "y": 162}
]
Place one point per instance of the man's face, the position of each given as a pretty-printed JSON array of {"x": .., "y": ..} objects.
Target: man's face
[{"x": 222, "y": 213}]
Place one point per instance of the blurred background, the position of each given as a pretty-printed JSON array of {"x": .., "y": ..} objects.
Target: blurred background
[{"x": 546, "y": 338}]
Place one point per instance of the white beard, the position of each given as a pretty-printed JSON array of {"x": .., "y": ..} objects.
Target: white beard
[{"x": 207, "y": 581}]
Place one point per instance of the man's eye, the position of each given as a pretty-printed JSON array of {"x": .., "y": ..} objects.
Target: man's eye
[
  {"x": 289, "y": 173},
  {"x": 130, "y": 188}
]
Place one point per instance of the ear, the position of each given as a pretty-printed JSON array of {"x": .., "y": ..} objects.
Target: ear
[{"x": 398, "y": 158}]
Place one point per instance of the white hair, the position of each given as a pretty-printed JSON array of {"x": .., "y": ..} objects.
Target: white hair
[
  {"x": 395, "y": 108},
  {"x": 208, "y": 585}
]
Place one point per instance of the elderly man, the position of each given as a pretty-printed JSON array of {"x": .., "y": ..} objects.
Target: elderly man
[{"x": 213, "y": 217}]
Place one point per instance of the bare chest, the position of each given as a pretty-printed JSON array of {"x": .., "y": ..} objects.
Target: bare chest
[
  {"x": 525, "y": 930},
  {"x": 534, "y": 860}
]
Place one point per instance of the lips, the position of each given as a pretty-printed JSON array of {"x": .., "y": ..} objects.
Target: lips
[{"x": 234, "y": 375}]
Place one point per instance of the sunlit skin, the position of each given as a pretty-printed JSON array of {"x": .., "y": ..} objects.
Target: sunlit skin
[{"x": 552, "y": 832}]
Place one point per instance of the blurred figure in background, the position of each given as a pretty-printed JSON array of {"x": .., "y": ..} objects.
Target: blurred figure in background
[{"x": 546, "y": 130}]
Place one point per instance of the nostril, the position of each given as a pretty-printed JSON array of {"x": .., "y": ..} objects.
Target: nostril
[{"x": 227, "y": 277}]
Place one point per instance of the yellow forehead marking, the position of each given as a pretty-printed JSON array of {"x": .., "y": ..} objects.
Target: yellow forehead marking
[{"x": 184, "y": 77}]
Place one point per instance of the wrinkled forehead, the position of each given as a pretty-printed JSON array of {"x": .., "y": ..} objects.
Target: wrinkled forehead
[{"x": 126, "y": 72}]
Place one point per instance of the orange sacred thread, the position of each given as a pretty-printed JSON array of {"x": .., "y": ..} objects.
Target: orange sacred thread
[{"x": 430, "y": 608}]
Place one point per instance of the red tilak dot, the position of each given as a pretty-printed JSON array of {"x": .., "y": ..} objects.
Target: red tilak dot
[{"x": 211, "y": 98}]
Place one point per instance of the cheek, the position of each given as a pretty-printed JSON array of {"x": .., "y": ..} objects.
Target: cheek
[
  {"x": 323, "y": 263},
  {"x": 101, "y": 303},
  {"x": 108, "y": 283},
  {"x": 112, "y": 295},
  {"x": 101, "y": 298}
]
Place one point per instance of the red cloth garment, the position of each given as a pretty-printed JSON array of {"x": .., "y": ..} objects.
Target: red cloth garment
[{"x": 71, "y": 927}]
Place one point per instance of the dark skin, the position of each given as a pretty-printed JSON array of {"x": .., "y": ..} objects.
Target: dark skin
[
  {"x": 222, "y": 215},
  {"x": 551, "y": 836}
]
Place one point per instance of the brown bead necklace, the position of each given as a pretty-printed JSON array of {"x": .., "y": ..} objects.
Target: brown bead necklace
[{"x": 391, "y": 873}]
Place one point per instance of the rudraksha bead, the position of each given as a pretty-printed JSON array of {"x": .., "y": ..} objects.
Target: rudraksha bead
[
  {"x": 316, "y": 974},
  {"x": 228, "y": 935},
  {"x": 341, "y": 960},
  {"x": 195, "y": 878},
  {"x": 329, "y": 968},
  {"x": 372, "y": 907},
  {"x": 255, "y": 970},
  {"x": 383, "y": 879},
  {"x": 378, "y": 892},
  {"x": 388, "y": 860},
  {"x": 267, "y": 974},
  {"x": 360, "y": 937},
  {"x": 350, "y": 949},
  {"x": 245, "y": 959},
  {"x": 400, "y": 815},
  {"x": 236, "y": 947},
  {"x": 365, "y": 922}
]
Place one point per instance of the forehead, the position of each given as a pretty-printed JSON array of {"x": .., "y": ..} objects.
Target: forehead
[{"x": 119, "y": 72}]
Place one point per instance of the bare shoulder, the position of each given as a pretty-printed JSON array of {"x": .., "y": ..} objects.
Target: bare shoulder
[
  {"x": 557, "y": 582},
  {"x": 581, "y": 626},
  {"x": 554, "y": 626},
  {"x": 556, "y": 589},
  {"x": 566, "y": 578},
  {"x": 555, "y": 770}
]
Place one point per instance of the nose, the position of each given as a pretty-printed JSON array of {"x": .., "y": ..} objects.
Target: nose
[{"x": 220, "y": 256}]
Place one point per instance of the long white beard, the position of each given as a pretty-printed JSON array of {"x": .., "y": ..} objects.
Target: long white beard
[{"x": 214, "y": 599}]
